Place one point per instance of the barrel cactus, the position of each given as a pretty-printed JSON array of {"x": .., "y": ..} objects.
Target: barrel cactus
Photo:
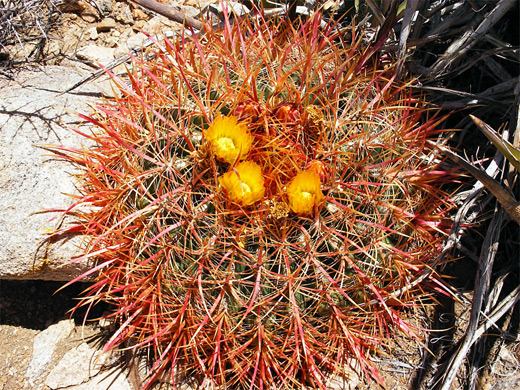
[{"x": 263, "y": 205}]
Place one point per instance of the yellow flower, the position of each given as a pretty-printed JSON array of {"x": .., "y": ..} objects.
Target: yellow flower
[
  {"x": 231, "y": 141},
  {"x": 244, "y": 184},
  {"x": 304, "y": 192}
]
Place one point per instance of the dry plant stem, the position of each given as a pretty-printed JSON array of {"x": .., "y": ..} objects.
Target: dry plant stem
[
  {"x": 471, "y": 199},
  {"x": 471, "y": 38},
  {"x": 505, "y": 305},
  {"x": 516, "y": 135},
  {"x": 291, "y": 10},
  {"x": 500, "y": 88},
  {"x": 411, "y": 7},
  {"x": 445, "y": 25},
  {"x": 500, "y": 143},
  {"x": 24, "y": 21},
  {"x": 493, "y": 96},
  {"x": 492, "y": 300},
  {"x": 375, "y": 10},
  {"x": 512, "y": 53},
  {"x": 170, "y": 13},
  {"x": 487, "y": 257},
  {"x": 506, "y": 199}
]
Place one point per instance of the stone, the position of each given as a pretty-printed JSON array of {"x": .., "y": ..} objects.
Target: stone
[
  {"x": 89, "y": 18},
  {"x": 43, "y": 348},
  {"x": 19, "y": 52},
  {"x": 111, "y": 42},
  {"x": 138, "y": 26},
  {"x": 106, "y": 25},
  {"x": 96, "y": 54},
  {"x": 231, "y": 7},
  {"x": 87, "y": 368},
  {"x": 139, "y": 14},
  {"x": 93, "y": 33},
  {"x": 53, "y": 48},
  {"x": 350, "y": 380},
  {"x": 107, "y": 6},
  {"x": 158, "y": 25},
  {"x": 123, "y": 14},
  {"x": 70, "y": 39},
  {"x": 80, "y": 7},
  {"x": 76, "y": 367},
  {"x": 83, "y": 8},
  {"x": 115, "y": 379},
  {"x": 136, "y": 40},
  {"x": 33, "y": 113}
]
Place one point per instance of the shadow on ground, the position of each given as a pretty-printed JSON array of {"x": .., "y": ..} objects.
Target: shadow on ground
[{"x": 36, "y": 304}]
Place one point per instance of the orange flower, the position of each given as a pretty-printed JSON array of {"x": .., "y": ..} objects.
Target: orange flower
[
  {"x": 244, "y": 184},
  {"x": 231, "y": 141},
  {"x": 304, "y": 192}
]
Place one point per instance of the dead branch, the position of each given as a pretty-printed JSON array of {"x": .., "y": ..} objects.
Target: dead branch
[{"x": 170, "y": 13}]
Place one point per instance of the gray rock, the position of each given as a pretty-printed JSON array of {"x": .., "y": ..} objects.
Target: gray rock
[
  {"x": 110, "y": 380},
  {"x": 93, "y": 33},
  {"x": 32, "y": 113},
  {"x": 134, "y": 41},
  {"x": 107, "y": 6},
  {"x": 81, "y": 369},
  {"x": 96, "y": 54},
  {"x": 43, "y": 348},
  {"x": 76, "y": 367},
  {"x": 123, "y": 14}
]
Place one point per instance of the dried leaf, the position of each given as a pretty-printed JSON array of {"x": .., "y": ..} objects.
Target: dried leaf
[
  {"x": 506, "y": 199},
  {"x": 511, "y": 153}
]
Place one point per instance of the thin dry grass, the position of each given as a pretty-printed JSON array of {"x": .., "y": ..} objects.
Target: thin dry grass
[{"x": 26, "y": 24}]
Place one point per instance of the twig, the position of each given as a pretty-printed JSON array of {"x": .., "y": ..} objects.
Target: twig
[
  {"x": 442, "y": 5},
  {"x": 506, "y": 199},
  {"x": 375, "y": 10},
  {"x": 291, "y": 11},
  {"x": 480, "y": 343},
  {"x": 461, "y": 46},
  {"x": 487, "y": 257},
  {"x": 449, "y": 21},
  {"x": 505, "y": 305},
  {"x": 170, "y": 13}
]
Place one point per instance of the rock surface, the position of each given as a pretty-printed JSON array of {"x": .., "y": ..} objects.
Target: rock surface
[
  {"x": 76, "y": 367},
  {"x": 43, "y": 348},
  {"x": 95, "y": 54},
  {"x": 33, "y": 114},
  {"x": 62, "y": 358}
]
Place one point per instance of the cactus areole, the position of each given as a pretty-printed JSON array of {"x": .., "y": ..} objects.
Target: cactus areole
[{"x": 263, "y": 205}]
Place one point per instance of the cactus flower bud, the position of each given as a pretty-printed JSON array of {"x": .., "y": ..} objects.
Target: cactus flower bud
[
  {"x": 287, "y": 113},
  {"x": 248, "y": 110}
]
